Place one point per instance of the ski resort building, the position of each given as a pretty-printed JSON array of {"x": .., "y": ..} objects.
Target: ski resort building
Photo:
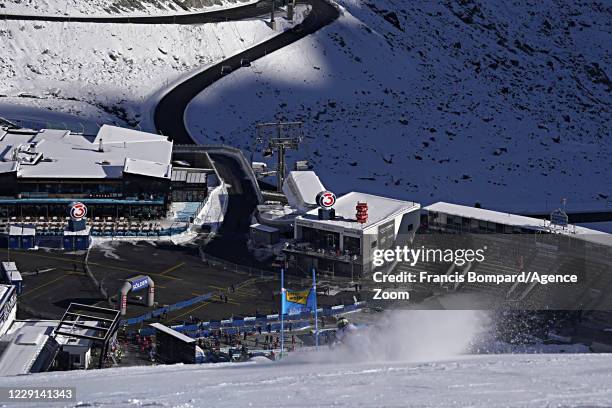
[
  {"x": 447, "y": 217},
  {"x": 344, "y": 243},
  {"x": 115, "y": 173}
]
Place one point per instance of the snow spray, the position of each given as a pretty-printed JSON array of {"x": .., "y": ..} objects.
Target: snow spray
[{"x": 407, "y": 336}]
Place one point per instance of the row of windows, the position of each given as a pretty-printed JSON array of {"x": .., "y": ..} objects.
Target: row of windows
[
  {"x": 474, "y": 225},
  {"x": 331, "y": 241},
  {"x": 94, "y": 210}
]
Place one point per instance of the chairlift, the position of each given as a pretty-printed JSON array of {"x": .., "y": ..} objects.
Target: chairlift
[{"x": 226, "y": 69}]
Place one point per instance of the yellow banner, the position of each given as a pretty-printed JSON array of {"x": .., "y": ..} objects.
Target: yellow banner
[{"x": 300, "y": 296}]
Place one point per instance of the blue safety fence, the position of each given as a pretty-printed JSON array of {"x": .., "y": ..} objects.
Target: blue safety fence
[
  {"x": 267, "y": 323},
  {"x": 167, "y": 309}
]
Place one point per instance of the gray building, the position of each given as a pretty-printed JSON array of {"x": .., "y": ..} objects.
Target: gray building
[{"x": 343, "y": 245}]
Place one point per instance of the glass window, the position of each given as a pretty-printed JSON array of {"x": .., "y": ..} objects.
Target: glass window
[
  {"x": 482, "y": 226},
  {"x": 352, "y": 245}
]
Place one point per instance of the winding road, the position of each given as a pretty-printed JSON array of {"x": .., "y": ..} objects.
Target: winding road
[
  {"x": 230, "y": 242},
  {"x": 170, "y": 110}
]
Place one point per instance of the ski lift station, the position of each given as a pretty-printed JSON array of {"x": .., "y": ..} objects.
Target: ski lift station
[{"x": 336, "y": 235}]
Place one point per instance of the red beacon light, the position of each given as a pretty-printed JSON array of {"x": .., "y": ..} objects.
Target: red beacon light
[{"x": 362, "y": 212}]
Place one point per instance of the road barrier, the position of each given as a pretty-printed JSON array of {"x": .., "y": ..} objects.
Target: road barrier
[
  {"x": 271, "y": 322},
  {"x": 167, "y": 309}
]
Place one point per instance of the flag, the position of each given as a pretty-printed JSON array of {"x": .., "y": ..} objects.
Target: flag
[{"x": 298, "y": 301}]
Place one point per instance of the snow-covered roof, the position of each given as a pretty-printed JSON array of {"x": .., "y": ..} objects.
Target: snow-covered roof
[
  {"x": 75, "y": 341},
  {"x": 264, "y": 228},
  {"x": 520, "y": 221},
  {"x": 147, "y": 168},
  {"x": 9, "y": 266},
  {"x": 24, "y": 342},
  {"x": 83, "y": 232},
  {"x": 301, "y": 189},
  {"x": 277, "y": 214},
  {"x": 22, "y": 231},
  {"x": 11, "y": 271},
  {"x": 4, "y": 291},
  {"x": 8, "y": 167},
  {"x": 380, "y": 209},
  {"x": 172, "y": 332},
  {"x": 486, "y": 215},
  {"x": 53, "y": 153}
]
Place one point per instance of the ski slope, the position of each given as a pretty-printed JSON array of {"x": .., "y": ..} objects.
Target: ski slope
[
  {"x": 416, "y": 358},
  {"x": 506, "y": 104},
  {"x": 83, "y": 74},
  {"x": 475, "y": 381},
  {"x": 114, "y": 7}
]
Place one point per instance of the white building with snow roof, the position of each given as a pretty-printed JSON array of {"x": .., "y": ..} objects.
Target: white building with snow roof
[
  {"x": 343, "y": 245},
  {"x": 116, "y": 172},
  {"x": 454, "y": 217}
]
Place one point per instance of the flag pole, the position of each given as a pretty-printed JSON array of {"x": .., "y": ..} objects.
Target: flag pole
[
  {"x": 314, "y": 288},
  {"x": 282, "y": 312}
]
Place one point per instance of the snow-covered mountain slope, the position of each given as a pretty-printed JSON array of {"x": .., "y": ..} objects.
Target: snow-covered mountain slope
[
  {"x": 475, "y": 381},
  {"x": 113, "y": 7},
  {"x": 106, "y": 73},
  {"x": 396, "y": 359},
  {"x": 506, "y": 103}
]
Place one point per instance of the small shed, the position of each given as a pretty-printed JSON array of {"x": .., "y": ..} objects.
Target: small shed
[
  {"x": 21, "y": 237},
  {"x": 173, "y": 347},
  {"x": 77, "y": 240},
  {"x": 263, "y": 235}
]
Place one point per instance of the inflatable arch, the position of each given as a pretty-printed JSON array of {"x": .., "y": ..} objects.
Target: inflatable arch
[{"x": 135, "y": 284}]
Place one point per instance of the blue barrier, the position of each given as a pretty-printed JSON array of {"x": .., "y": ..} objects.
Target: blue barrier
[
  {"x": 230, "y": 326},
  {"x": 173, "y": 307}
]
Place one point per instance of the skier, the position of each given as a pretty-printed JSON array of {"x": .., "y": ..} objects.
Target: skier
[{"x": 345, "y": 328}]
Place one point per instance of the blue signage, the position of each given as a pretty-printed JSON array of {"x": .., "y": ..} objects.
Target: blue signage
[{"x": 140, "y": 283}]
